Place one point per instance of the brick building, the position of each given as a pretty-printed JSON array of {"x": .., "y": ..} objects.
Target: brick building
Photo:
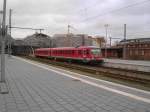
[
  {"x": 138, "y": 49},
  {"x": 112, "y": 52}
]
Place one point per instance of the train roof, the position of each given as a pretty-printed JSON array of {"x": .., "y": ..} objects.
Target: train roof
[
  {"x": 43, "y": 49},
  {"x": 87, "y": 47},
  {"x": 60, "y": 48}
]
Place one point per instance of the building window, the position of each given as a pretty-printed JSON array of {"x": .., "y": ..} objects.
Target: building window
[
  {"x": 143, "y": 52},
  {"x": 145, "y": 45},
  {"x": 130, "y": 52},
  {"x": 136, "y": 52}
]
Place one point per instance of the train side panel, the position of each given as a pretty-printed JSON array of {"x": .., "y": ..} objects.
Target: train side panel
[{"x": 84, "y": 54}]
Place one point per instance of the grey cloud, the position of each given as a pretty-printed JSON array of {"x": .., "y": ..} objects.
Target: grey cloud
[{"x": 54, "y": 15}]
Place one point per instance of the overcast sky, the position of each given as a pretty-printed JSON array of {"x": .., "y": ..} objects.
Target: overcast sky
[{"x": 86, "y": 16}]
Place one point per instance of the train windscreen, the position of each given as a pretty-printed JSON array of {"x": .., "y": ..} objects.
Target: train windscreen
[{"x": 96, "y": 51}]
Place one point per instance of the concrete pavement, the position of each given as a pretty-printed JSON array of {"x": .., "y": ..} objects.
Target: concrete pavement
[{"x": 35, "y": 87}]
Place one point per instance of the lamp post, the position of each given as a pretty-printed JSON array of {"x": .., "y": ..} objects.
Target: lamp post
[
  {"x": 9, "y": 38},
  {"x": 124, "y": 46},
  {"x": 1, "y": 12},
  {"x": 106, "y": 28},
  {"x": 3, "y": 43}
]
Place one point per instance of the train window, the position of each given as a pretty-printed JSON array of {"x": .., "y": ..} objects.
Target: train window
[
  {"x": 87, "y": 52},
  {"x": 72, "y": 52},
  {"x": 68, "y": 51},
  {"x": 80, "y": 52}
]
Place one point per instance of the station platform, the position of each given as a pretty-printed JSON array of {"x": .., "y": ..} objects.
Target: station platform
[
  {"x": 128, "y": 64},
  {"x": 36, "y": 87}
]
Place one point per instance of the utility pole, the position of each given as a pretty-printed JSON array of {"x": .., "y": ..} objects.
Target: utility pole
[
  {"x": 69, "y": 36},
  {"x": 124, "y": 46},
  {"x": 1, "y": 12},
  {"x": 125, "y": 27},
  {"x": 106, "y": 28},
  {"x": 69, "y": 29},
  {"x": 50, "y": 42},
  {"x": 110, "y": 40},
  {"x": 41, "y": 30},
  {"x": 3, "y": 43},
  {"x": 9, "y": 39},
  {"x": 83, "y": 40}
]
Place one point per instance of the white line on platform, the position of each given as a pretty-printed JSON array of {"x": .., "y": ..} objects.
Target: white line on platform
[
  {"x": 92, "y": 78},
  {"x": 91, "y": 83}
]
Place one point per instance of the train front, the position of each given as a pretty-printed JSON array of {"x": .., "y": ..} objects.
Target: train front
[{"x": 96, "y": 55}]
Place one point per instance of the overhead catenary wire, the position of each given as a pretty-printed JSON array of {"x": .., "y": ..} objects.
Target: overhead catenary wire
[
  {"x": 116, "y": 10},
  {"x": 113, "y": 11}
]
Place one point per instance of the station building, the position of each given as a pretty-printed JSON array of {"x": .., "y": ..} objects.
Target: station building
[
  {"x": 71, "y": 40},
  {"x": 132, "y": 49},
  {"x": 138, "y": 49},
  {"x": 27, "y": 45}
]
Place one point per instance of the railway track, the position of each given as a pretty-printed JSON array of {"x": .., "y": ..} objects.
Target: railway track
[{"x": 136, "y": 76}]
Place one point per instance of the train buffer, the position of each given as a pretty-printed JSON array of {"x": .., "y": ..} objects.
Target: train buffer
[{"x": 41, "y": 88}]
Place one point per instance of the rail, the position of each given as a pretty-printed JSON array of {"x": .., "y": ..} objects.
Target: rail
[{"x": 131, "y": 75}]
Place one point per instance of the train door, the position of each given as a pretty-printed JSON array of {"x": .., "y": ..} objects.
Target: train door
[
  {"x": 49, "y": 53},
  {"x": 84, "y": 53}
]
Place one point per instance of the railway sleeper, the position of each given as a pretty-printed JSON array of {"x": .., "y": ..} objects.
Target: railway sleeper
[{"x": 110, "y": 72}]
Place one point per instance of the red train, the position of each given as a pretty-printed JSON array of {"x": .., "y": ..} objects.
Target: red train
[{"x": 86, "y": 54}]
